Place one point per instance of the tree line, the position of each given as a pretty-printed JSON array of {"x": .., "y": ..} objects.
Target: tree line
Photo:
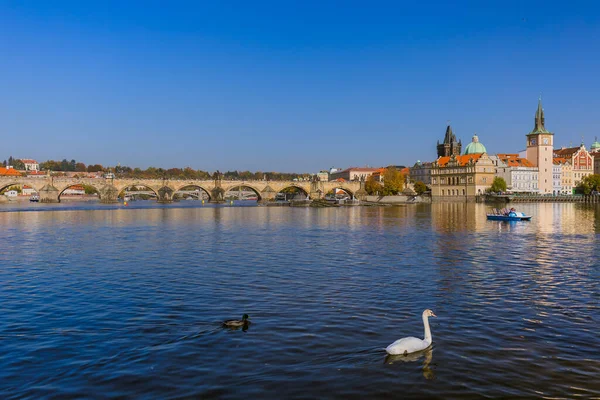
[{"x": 156, "y": 173}]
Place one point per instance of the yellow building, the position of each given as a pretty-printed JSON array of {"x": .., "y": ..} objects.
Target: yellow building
[
  {"x": 461, "y": 178},
  {"x": 582, "y": 162}
]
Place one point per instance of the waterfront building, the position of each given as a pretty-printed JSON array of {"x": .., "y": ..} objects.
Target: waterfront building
[
  {"x": 539, "y": 151},
  {"x": 421, "y": 172},
  {"x": 566, "y": 175},
  {"x": 582, "y": 161},
  {"x": 556, "y": 178},
  {"x": 27, "y": 190},
  {"x": 352, "y": 174},
  {"x": 450, "y": 146},
  {"x": 461, "y": 178},
  {"x": 31, "y": 165},
  {"x": 595, "y": 151},
  {"x": 519, "y": 173}
]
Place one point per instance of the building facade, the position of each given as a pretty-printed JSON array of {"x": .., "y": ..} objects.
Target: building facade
[
  {"x": 421, "y": 172},
  {"x": 519, "y": 173},
  {"x": 539, "y": 151},
  {"x": 566, "y": 175},
  {"x": 595, "y": 151},
  {"x": 352, "y": 174},
  {"x": 323, "y": 176},
  {"x": 461, "y": 178},
  {"x": 31, "y": 165},
  {"x": 582, "y": 162}
]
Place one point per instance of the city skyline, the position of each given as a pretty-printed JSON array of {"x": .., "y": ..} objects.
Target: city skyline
[{"x": 295, "y": 88}]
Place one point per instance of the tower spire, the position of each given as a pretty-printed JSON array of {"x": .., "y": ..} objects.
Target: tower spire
[{"x": 539, "y": 120}]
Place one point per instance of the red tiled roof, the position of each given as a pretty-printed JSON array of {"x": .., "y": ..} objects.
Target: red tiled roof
[
  {"x": 9, "y": 172},
  {"x": 29, "y": 161},
  {"x": 462, "y": 160},
  {"x": 566, "y": 152},
  {"x": 559, "y": 160}
]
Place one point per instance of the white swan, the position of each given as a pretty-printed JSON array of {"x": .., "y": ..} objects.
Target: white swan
[{"x": 411, "y": 344}]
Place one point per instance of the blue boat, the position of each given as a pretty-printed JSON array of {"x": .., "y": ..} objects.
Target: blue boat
[{"x": 508, "y": 215}]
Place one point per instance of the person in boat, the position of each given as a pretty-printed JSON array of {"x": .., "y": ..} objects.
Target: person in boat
[{"x": 512, "y": 212}]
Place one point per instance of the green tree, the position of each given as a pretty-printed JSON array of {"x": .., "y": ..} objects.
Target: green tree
[
  {"x": 498, "y": 185},
  {"x": 89, "y": 189},
  {"x": 420, "y": 187},
  {"x": 18, "y": 165},
  {"x": 589, "y": 184}
]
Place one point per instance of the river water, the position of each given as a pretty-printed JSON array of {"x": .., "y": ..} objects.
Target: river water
[{"x": 112, "y": 301}]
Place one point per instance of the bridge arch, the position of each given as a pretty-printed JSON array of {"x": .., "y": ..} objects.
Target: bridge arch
[
  {"x": 192, "y": 185},
  {"x": 253, "y": 189},
  {"x": 292, "y": 189},
  {"x": 334, "y": 189},
  {"x": 136, "y": 185},
  {"x": 5, "y": 186},
  {"x": 62, "y": 190}
]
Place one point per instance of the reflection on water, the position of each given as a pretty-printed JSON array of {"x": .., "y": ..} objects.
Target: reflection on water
[{"x": 128, "y": 302}]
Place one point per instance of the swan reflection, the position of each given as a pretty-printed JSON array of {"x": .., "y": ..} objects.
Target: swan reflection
[{"x": 426, "y": 354}]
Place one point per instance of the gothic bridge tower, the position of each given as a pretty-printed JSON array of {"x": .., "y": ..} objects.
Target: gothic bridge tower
[{"x": 450, "y": 146}]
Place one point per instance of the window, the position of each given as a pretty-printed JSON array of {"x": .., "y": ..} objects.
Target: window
[{"x": 442, "y": 192}]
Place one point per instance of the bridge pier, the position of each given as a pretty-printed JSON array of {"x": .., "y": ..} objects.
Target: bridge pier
[
  {"x": 109, "y": 194},
  {"x": 361, "y": 193},
  {"x": 49, "y": 194},
  {"x": 165, "y": 194},
  {"x": 217, "y": 195}
]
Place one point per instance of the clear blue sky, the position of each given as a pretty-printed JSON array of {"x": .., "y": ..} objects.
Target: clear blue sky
[{"x": 290, "y": 86}]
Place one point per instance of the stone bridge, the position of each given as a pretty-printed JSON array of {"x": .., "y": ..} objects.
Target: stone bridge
[{"x": 50, "y": 188}]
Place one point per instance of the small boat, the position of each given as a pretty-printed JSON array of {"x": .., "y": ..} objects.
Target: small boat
[
  {"x": 34, "y": 198},
  {"x": 507, "y": 215}
]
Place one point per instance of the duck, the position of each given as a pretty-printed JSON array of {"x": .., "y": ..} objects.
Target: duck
[
  {"x": 411, "y": 344},
  {"x": 236, "y": 323}
]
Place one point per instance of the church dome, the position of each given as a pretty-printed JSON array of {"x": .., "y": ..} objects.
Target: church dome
[
  {"x": 475, "y": 147},
  {"x": 595, "y": 146}
]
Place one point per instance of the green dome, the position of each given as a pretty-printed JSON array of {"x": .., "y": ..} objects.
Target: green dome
[
  {"x": 475, "y": 147},
  {"x": 595, "y": 145}
]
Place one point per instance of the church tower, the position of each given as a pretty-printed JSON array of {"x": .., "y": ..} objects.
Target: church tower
[
  {"x": 450, "y": 146},
  {"x": 540, "y": 150}
]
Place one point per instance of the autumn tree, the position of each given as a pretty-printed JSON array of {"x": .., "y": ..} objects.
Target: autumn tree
[
  {"x": 372, "y": 186},
  {"x": 393, "y": 181},
  {"x": 420, "y": 187},
  {"x": 95, "y": 168}
]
